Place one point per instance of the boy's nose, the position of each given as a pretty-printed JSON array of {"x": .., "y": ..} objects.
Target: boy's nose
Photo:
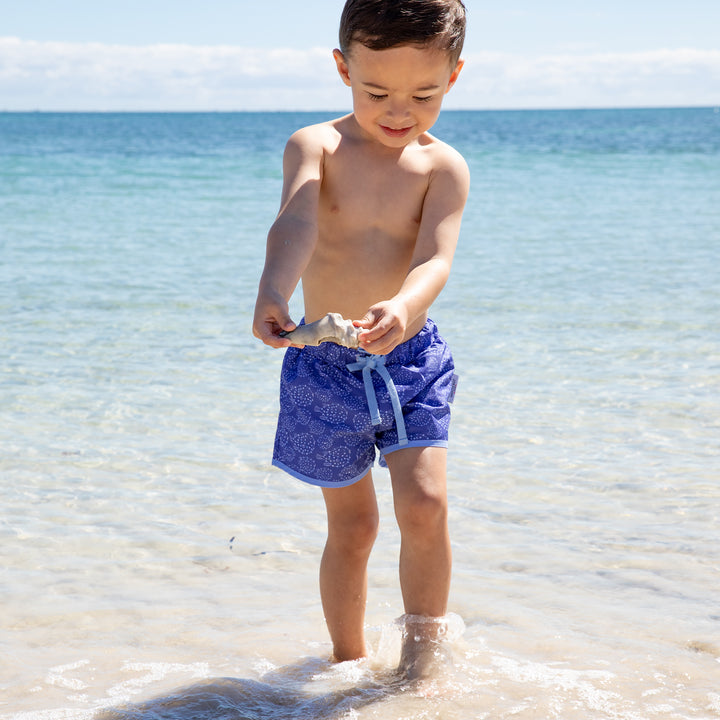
[{"x": 398, "y": 110}]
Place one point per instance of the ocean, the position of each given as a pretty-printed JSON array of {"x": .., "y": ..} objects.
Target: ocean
[{"x": 154, "y": 565}]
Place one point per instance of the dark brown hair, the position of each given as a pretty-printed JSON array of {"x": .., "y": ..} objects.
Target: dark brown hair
[{"x": 383, "y": 24}]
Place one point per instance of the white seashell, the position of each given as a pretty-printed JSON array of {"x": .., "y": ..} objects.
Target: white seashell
[{"x": 331, "y": 328}]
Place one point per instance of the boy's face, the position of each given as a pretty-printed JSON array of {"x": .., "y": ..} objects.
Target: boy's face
[{"x": 397, "y": 93}]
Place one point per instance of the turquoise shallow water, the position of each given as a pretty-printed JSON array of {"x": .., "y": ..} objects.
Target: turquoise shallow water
[{"x": 147, "y": 545}]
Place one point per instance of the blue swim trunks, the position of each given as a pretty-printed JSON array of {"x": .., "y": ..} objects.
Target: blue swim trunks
[{"x": 338, "y": 404}]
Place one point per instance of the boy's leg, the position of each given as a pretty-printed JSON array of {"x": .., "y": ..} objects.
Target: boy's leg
[
  {"x": 420, "y": 497},
  {"x": 352, "y": 514}
]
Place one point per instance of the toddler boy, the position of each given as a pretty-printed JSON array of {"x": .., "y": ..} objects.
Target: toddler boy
[{"x": 369, "y": 219}]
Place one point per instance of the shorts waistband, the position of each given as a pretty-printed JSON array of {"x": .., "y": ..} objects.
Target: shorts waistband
[{"x": 341, "y": 356}]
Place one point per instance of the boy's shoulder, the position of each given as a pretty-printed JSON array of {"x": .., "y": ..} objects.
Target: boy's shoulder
[
  {"x": 446, "y": 167},
  {"x": 319, "y": 136},
  {"x": 444, "y": 154}
]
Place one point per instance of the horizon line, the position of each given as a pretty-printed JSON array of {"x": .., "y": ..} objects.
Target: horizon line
[{"x": 579, "y": 108}]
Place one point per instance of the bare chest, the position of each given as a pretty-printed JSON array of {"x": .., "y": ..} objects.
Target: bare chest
[{"x": 381, "y": 196}]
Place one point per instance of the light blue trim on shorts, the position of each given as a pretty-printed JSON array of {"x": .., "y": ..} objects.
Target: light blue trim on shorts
[
  {"x": 383, "y": 451},
  {"x": 319, "y": 483},
  {"x": 412, "y": 443}
]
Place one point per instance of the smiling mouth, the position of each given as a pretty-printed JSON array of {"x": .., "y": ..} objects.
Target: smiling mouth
[{"x": 396, "y": 132}]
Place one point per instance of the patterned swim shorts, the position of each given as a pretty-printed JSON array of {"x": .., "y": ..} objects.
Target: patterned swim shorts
[{"x": 338, "y": 404}]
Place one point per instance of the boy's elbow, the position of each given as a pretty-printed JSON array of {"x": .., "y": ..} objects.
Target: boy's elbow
[
  {"x": 442, "y": 271},
  {"x": 437, "y": 267}
]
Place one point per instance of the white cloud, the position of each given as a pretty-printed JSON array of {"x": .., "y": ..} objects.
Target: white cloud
[
  {"x": 663, "y": 77},
  {"x": 92, "y": 76}
]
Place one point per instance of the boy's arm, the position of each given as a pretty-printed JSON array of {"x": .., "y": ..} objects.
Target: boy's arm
[
  {"x": 386, "y": 322},
  {"x": 292, "y": 237}
]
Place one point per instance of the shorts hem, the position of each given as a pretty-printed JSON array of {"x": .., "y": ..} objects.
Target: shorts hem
[
  {"x": 413, "y": 443},
  {"x": 314, "y": 481}
]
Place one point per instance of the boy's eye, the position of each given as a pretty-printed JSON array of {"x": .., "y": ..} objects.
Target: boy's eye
[
  {"x": 372, "y": 96},
  {"x": 423, "y": 99}
]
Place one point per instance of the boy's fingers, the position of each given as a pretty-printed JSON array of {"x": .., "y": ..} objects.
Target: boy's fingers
[
  {"x": 382, "y": 346},
  {"x": 367, "y": 322},
  {"x": 269, "y": 330},
  {"x": 276, "y": 341},
  {"x": 371, "y": 325},
  {"x": 378, "y": 339},
  {"x": 278, "y": 330},
  {"x": 286, "y": 324},
  {"x": 367, "y": 335},
  {"x": 279, "y": 320}
]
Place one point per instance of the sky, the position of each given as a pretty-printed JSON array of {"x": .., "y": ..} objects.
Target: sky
[{"x": 214, "y": 55}]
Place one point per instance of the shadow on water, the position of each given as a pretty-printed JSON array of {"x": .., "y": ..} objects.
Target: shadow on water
[{"x": 281, "y": 694}]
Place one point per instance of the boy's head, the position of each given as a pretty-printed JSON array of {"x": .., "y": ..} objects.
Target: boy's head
[
  {"x": 384, "y": 24},
  {"x": 399, "y": 57}
]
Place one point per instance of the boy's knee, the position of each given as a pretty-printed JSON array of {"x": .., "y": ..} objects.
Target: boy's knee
[
  {"x": 356, "y": 533},
  {"x": 423, "y": 513}
]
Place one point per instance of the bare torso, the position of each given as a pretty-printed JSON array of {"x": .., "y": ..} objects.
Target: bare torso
[{"x": 370, "y": 207}]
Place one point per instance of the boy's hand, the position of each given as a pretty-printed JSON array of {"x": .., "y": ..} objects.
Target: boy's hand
[
  {"x": 384, "y": 326},
  {"x": 271, "y": 318}
]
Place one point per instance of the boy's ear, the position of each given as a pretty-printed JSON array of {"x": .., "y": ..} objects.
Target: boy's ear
[
  {"x": 455, "y": 74},
  {"x": 342, "y": 66}
]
